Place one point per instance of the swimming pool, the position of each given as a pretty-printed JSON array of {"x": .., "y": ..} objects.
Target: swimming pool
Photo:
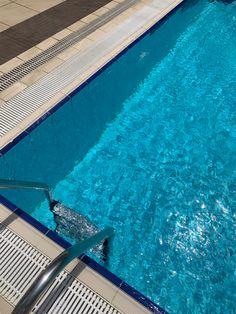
[{"x": 148, "y": 147}]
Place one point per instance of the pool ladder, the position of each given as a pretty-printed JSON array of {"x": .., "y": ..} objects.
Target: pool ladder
[
  {"x": 13, "y": 184},
  {"x": 47, "y": 276}
]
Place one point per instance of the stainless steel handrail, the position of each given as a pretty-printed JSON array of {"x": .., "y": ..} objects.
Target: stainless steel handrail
[
  {"x": 12, "y": 184},
  {"x": 47, "y": 276}
]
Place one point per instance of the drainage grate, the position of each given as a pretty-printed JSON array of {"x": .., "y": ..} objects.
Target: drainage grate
[
  {"x": 20, "y": 71},
  {"x": 76, "y": 298},
  {"x": 20, "y": 263},
  {"x": 14, "y": 111}
]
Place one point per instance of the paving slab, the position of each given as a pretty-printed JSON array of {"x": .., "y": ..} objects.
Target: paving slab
[{"x": 28, "y": 28}]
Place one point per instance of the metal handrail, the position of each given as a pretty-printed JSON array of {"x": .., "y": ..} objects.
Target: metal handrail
[
  {"x": 12, "y": 184},
  {"x": 47, "y": 276}
]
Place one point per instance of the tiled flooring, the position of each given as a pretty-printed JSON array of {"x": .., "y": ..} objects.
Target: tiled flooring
[
  {"x": 26, "y": 23},
  {"x": 12, "y": 13},
  {"x": 16, "y": 11},
  {"x": 38, "y": 5}
]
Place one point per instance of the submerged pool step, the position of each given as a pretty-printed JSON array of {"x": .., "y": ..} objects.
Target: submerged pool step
[
  {"x": 20, "y": 263},
  {"x": 7, "y": 79}
]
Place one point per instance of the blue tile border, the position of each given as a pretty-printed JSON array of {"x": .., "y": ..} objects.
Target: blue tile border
[
  {"x": 33, "y": 222},
  {"x": 22, "y": 214},
  {"x": 56, "y": 238},
  {"x": 133, "y": 293},
  {"x": 102, "y": 270},
  {"x": 138, "y": 296},
  {"x": 8, "y": 204},
  {"x": 9, "y": 146}
]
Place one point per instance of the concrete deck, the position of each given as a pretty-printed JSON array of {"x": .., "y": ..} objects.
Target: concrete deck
[{"x": 85, "y": 58}]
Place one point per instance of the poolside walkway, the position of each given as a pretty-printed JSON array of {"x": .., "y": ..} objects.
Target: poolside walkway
[
  {"x": 26, "y": 23},
  {"x": 37, "y": 79}
]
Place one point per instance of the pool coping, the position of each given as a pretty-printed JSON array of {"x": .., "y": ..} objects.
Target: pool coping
[
  {"x": 65, "y": 97},
  {"x": 52, "y": 235}
]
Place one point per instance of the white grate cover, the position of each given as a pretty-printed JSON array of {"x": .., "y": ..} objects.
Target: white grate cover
[
  {"x": 26, "y": 102},
  {"x": 20, "y": 263}
]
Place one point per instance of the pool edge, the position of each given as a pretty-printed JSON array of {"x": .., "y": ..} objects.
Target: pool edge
[
  {"x": 57, "y": 105},
  {"x": 52, "y": 235}
]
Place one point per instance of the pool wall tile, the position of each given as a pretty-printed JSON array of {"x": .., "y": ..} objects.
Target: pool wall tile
[
  {"x": 33, "y": 222},
  {"x": 22, "y": 135},
  {"x": 23, "y": 215},
  {"x": 10, "y": 145}
]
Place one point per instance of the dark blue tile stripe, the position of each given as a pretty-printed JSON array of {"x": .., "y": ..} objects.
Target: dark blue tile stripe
[
  {"x": 31, "y": 221},
  {"x": 102, "y": 270},
  {"x": 86, "y": 259},
  {"x": 59, "y": 240},
  {"x": 123, "y": 285},
  {"x": 7, "y": 203},
  {"x": 142, "y": 299},
  {"x": 17, "y": 139},
  {"x": 9, "y": 146},
  {"x": 19, "y": 212}
]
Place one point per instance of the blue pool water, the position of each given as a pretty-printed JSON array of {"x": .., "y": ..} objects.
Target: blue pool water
[{"x": 154, "y": 158}]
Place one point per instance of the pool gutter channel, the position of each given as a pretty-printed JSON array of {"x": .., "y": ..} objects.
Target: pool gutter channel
[
  {"x": 23, "y": 112},
  {"x": 8, "y": 79}
]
